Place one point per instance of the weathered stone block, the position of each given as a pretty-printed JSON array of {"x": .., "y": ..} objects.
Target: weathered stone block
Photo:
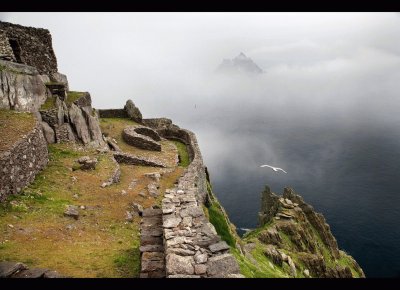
[{"x": 179, "y": 265}]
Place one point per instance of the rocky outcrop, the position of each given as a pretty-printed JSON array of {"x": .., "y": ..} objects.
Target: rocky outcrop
[
  {"x": 239, "y": 64},
  {"x": 141, "y": 137},
  {"x": 269, "y": 206},
  {"x": 22, "y": 88},
  {"x": 293, "y": 234},
  {"x": 20, "y": 163},
  {"x": 317, "y": 220},
  {"x": 133, "y": 112},
  {"x": 73, "y": 121}
]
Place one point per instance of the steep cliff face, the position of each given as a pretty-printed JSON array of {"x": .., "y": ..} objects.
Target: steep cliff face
[{"x": 297, "y": 240}]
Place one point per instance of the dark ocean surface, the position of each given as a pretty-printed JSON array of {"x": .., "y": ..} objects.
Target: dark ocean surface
[{"x": 347, "y": 171}]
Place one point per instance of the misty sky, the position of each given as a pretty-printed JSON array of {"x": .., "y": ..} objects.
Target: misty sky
[{"x": 162, "y": 60}]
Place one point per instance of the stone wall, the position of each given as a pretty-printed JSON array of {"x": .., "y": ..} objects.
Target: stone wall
[
  {"x": 113, "y": 113},
  {"x": 133, "y": 138},
  {"x": 20, "y": 164},
  {"x": 6, "y": 51},
  {"x": 192, "y": 247},
  {"x": 30, "y": 46}
]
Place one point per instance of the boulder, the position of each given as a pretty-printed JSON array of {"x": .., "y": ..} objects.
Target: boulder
[
  {"x": 93, "y": 127},
  {"x": 72, "y": 211},
  {"x": 48, "y": 133},
  {"x": 9, "y": 268},
  {"x": 87, "y": 163},
  {"x": 133, "y": 111},
  {"x": 79, "y": 123}
]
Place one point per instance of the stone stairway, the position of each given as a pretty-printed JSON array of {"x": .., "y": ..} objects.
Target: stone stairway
[{"x": 151, "y": 244}]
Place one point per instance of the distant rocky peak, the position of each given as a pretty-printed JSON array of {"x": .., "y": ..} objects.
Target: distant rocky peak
[
  {"x": 241, "y": 56},
  {"x": 239, "y": 64}
]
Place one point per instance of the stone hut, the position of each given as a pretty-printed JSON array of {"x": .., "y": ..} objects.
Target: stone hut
[{"x": 29, "y": 46}]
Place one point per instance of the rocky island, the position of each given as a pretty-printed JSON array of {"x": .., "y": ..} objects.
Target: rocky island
[{"x": 108, "y": 193}]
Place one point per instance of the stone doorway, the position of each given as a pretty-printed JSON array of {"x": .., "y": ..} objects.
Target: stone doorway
[{"x": 16, "y": 49}]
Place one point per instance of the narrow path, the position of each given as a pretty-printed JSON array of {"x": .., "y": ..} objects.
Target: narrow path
[{"x": 151, "y": 244}]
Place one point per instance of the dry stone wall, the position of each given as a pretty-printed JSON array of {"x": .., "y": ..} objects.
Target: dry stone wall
[
  {"x": 30, "y": 46},
  {"x": 139, "y": 140},
  {"x": 192, "y": 247},
  {"x": 20, "y": 164},
  {"x": 113, "y": 113}
]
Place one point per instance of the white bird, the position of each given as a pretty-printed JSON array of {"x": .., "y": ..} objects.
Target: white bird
[
  {"x": 273, "y": 168},
  {"x": 246, "y": 229}
]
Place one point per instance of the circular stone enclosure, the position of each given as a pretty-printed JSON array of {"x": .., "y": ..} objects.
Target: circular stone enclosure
[
  {"x": 140, "y": 140},
  {"x": 148, "y": 132}
]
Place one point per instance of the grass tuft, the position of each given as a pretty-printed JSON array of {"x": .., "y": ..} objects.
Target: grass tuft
[{"x": 183, "y": 153}]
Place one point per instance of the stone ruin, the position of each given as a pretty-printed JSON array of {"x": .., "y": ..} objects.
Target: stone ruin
[
  {"x": 30, "y": 82},
  {"x": 29, "y": 46},
  {"x": 142, "y": 137}
]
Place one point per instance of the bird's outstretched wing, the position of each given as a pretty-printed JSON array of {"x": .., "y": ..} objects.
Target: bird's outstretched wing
[
  {"x": 265, "y": 165},
  {"x": 273, "y": 168}
]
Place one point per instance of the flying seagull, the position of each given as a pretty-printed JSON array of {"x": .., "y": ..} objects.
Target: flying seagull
[
  {"x": 245, "y": 229},
  {"x": 273, "y": 168}
]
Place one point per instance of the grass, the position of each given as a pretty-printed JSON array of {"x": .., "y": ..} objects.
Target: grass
[
  {"x": 14, "y": 124},
  {"x": 127, "y": 262},
  {"x": 72, "y": 96},
  {"x": 263, "y": 267},
  {"x": 346, "y": 260},
  {"x": 49, "y": 104},
  {"x": 100, "y": 243},
  {"x": 183, "y": 153},
  {"x": 217, "y": 218},
  {"x": 40, "y": 236}
]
